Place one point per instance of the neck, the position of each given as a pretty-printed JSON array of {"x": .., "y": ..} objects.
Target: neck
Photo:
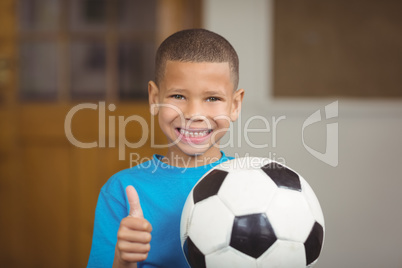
[{"x": 180, "y": 159}]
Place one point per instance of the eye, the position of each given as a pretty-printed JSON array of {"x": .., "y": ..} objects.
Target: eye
[
  {"x": 213, "y": 99},
  {"x": 177, "y": 97}
]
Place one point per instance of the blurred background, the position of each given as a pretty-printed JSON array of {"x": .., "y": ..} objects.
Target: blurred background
[{"x": 296, "y": 57}]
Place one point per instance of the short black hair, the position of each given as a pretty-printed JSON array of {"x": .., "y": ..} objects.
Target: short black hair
[{"x": 196, "y": 45}]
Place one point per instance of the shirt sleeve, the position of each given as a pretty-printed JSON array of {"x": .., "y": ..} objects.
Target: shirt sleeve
[{"x": 108, "y": 214}]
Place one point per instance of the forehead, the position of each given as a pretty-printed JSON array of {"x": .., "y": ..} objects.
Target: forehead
[{"x": 179, "y": 73}]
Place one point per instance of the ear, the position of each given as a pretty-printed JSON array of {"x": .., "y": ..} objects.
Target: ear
[
  {"x": 236, "y": 104},
  {"x": 153, "y": 97}
]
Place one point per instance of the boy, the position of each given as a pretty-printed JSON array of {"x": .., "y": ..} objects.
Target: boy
[{"x": 195, "y": 98}]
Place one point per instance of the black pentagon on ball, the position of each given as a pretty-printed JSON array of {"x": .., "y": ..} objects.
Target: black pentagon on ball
[
  {"x": 252, "y": 234},
  {"x": 282, "y": 176},
  {"x": 209, "y": 185},
  {"x": 313, "y": 243},
  {"x": 193, "y": 255}
]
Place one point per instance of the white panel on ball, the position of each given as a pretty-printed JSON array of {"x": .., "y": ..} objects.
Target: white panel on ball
[
  {"x": 229, "y": 258},
  {"x": 247, "y": 191},
  {"x": 210, "y": 226},
  {"x": 244, "y": 163},
  {"x": 290, "y": 215},
  {"x": 185, "y": 218},
  {"x": 313, "y": 202},
  {"x": 283, "y": 254}
]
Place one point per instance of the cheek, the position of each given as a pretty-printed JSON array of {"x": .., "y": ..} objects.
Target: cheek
[
  {"x": 223, "y": 126},
  {"x": 168, "y": 114},
  {"x": 223, "y": 122},
  {"x": 219, "y": 112}
]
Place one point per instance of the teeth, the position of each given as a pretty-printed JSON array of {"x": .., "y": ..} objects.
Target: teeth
[{"x": 194, "y": 133}]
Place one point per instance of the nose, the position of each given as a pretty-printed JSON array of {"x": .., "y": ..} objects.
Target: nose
[{"x": 193, "y": 111}]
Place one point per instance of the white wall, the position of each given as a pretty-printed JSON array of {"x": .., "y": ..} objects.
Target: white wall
[{"x": 361, "y": 197}]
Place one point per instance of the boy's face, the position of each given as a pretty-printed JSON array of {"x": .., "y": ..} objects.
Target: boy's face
[{"x": 195, "y": 102}]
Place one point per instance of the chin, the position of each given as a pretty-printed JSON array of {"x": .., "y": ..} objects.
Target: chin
[{"x": 194, "y": 152}]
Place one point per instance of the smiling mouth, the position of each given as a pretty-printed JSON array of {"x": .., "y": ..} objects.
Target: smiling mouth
[{"x": 192, "y": 133}]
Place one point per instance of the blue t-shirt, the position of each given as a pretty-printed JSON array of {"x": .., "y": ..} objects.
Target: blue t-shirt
[{"x": 163, "y": 190}]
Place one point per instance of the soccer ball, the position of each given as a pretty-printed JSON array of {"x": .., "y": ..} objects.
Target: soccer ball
[{"x": 252, "y": 212}]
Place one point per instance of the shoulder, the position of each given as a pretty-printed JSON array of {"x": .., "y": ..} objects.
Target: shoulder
[{"x": 130, "y": 176}]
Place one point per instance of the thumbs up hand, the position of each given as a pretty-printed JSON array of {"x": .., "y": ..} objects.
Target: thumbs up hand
[
  {"x": 134, "y": 201},
  {"x": 134, "y": 234}
]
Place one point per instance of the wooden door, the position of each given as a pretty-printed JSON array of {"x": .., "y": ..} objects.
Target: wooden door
[{"x": 49, "y": 185}]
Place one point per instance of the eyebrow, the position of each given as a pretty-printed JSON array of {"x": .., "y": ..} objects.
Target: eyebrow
[
  {"x": 179, "y": 90},
  {"x": 207, "y": 92},
  {"x": 213, "y": 92}
]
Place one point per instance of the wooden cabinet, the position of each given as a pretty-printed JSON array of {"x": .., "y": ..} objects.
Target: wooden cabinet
[{"x": 49, "y": 186}]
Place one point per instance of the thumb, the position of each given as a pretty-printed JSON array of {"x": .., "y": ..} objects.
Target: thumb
[{"x": 134, "y": 201}]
